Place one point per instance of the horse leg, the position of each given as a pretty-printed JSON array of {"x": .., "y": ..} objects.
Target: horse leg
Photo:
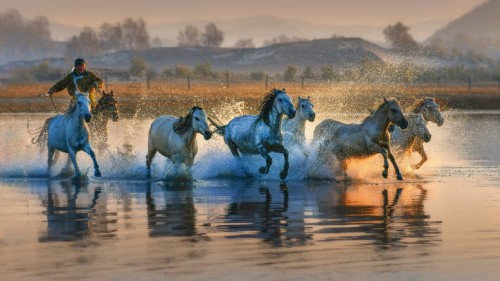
[
  {"x": 269, "y": 160},
  {"x": 233, "y": 147},
  {"x": 149, "y": 159},
  {"x": 396, "y": 168},
  {"x": 72, "y": 156},
  {"x": 50, "y": 159},
  {"x": 284, "y": 172},
  {"x": 90, "y": 152},
  {"x": 420, "y": 150}
]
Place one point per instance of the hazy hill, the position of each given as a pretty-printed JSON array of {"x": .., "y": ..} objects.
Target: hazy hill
[
  {"x": 337, "y": 52},
  {"x": 477, "y": 30}
]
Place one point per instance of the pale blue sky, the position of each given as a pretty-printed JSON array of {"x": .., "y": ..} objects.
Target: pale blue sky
[{"x": 338, "y": 12}]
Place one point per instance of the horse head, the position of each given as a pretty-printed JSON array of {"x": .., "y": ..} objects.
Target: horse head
[
  {"x": 430, "y": 110},
  {"x": 109, "y": 105},
  {"x": 418, "y": 127},
  {"x": 305, "y": 109},
  {"x": 395, "y": 114},
  {"x": 283, "y": 103},
  {"x": 83, "y": 105},
  {"x": 199, "y": 122}
]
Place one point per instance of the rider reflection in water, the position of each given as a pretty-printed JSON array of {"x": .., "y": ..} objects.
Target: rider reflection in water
[{"x": 86, "y": 81}]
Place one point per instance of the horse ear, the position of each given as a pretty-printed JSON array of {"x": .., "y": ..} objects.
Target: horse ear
[
  {"x": 309, "y": 98},
  {"x": 111, "y": 93},
  {"x": 385, "y": 100}
]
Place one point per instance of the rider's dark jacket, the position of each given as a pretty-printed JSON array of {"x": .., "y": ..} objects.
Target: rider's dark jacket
[{"x": 84, "y": 81}]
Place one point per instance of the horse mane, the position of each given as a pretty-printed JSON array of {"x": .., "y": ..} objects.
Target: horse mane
[
  {"x": 70, "y": 110},
  {"x": 267, "y": 104},
  {"x": 380, "y": 107},
  {"x": 185, "y": 122},
  {"x": 419, "y": 104}
]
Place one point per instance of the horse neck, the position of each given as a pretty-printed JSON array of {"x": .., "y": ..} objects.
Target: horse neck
[
  {"x": 75, "y": 119},
  {"x": 297, "y": 125},
  {"x": 275, "y": 119},
  {"x": 408, "y": 137},
  {"x": 190, "y": 136},
  {"x": 379, "y": 119}
]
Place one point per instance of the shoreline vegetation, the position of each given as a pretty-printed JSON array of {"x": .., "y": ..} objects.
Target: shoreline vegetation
[{"x": 175, "y": 98}]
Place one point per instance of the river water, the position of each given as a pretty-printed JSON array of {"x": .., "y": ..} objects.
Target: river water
[{"x": 441, "y": 222}]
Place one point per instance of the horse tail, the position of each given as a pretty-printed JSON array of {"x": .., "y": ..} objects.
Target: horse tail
[
  {"x": 41, "y": 137},
  {"x": 219, "y": 128}
]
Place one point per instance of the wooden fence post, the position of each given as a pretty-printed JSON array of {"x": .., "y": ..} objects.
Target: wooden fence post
[
  {"x": 189, "y": 82},
  {"x": 227, "y": 79},
  {"x": 302, "y": 78},
  {"x": 267, "y": 78},
  {"x": 469, "y": 82}
]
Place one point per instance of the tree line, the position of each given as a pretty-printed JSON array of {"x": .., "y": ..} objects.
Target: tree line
[{"x": 21, "y": 38}]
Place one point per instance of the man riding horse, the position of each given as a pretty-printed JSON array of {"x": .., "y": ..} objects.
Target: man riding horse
[{"x": 86, "y": 81}]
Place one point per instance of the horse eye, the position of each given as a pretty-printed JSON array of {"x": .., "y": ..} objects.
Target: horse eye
[
  {"x": 302, "y": 106},
  {"x": 280, "y": 99},
  {"x": 197, "y": 119}
]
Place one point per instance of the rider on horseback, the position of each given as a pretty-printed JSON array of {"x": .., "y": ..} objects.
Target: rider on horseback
[{"x": 86, "y": 80}]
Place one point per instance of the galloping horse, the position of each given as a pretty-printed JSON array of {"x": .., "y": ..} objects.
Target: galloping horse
[
  {"x": 175, "y": 138},
  {"x": 294, "y": 129},
  {"x": 402, "y": 141},
  {"x": 261, "y": 134},
  {"x": 429, "y": 109},
  {"x": 69, "y": 133},
  {"x": 362, "y": 140},
  {"x": 106, "y": 108}
]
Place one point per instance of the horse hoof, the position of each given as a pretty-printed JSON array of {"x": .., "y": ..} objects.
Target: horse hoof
[
  {"x": 384, "y": 174},
  {"x": 416, "y": 166},
  {"x": 283, "y": 175},
  {"x": 399, "y": 177},
  {"x": 263, "y": 170},
  {"x": 97, "y": 174}
]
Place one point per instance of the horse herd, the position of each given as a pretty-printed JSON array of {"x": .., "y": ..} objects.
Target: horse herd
[{"x": 278, "y": 126}]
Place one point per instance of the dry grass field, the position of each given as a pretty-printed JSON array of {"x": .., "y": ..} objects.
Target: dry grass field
[{"x": 175, "y": 98}]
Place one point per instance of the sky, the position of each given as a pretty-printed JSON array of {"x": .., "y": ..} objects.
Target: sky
[{"x": 337, "y": 12}]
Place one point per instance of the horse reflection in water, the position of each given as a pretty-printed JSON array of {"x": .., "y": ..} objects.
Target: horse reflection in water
[
  {"x": 75, "y": 211},
  {"x": 266, "y": 214},
  {"x": 175, "y": 215},
  {"x": 390, "y": 217}
]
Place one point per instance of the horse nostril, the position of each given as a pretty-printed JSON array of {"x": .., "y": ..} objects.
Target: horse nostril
[
  {"x": 208, "y": 135},
  {"x": 292, "y": 114}
]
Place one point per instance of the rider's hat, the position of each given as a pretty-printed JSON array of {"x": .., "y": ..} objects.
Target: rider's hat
[{"x": 79, "y": 61}]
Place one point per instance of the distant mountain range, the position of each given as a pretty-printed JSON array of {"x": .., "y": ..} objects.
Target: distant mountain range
[{"x": 477, "y": 30}]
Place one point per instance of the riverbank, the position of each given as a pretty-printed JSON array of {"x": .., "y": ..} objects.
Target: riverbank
[{"x": 175, "y": 98}]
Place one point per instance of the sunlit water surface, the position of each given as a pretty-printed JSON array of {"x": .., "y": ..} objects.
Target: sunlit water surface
[{"x": 441, "y": 222}]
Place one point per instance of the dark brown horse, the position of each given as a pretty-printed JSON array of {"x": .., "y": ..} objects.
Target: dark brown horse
[{"x": 106, "y": 108}]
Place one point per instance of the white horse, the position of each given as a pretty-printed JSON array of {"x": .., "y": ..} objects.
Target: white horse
[
  {"x": 402, "y": 141},
  {"x": 261, "y": 134},
  {"x": 294, "y": 129},
  {"x": 175, "y": 138},
  {"x": 362, "y": 140},
  {"x": 69, "y": 133},
  {"x": 429, "y": 109}
]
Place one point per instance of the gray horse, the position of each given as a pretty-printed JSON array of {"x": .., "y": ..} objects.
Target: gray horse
[
  {"x": 261, "y": 134},
  {"x": 429, "y": 109},
  {"x": 362, "y": 140},
  {"x": 403, "y": 141},
  {"x": 294, "y": 129}
]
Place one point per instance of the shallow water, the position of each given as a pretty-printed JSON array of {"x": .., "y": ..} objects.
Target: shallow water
[{"x": 442, "y": 221}]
